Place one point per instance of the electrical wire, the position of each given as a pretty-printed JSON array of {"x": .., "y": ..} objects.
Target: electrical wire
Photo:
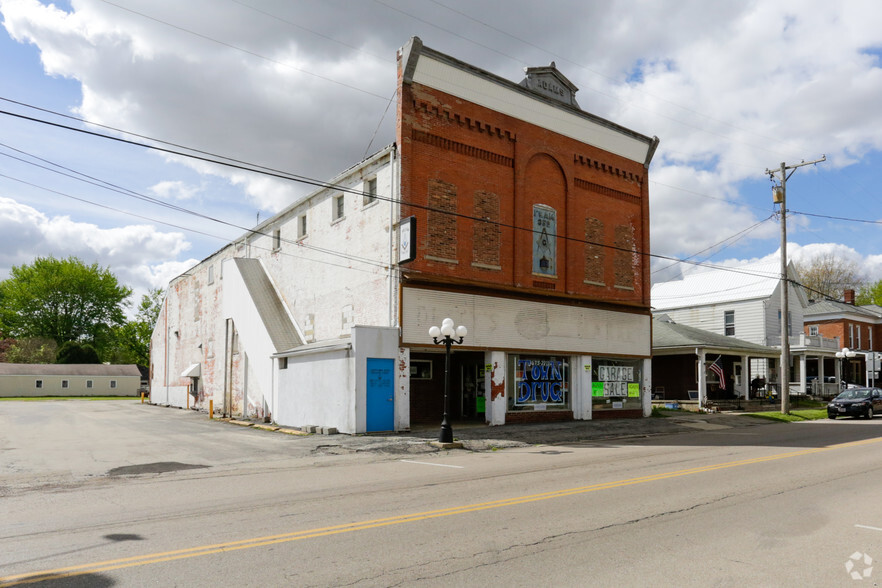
[{"x": 327, "y": 185}]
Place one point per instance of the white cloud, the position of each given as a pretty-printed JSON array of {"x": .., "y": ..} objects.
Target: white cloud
[
  {"x": 730, "y": 88},
  {"x": 136, "y": 254},
  {"x": 174, "y": 190}
]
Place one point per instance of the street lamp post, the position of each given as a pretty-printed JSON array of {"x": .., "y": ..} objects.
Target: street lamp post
[
  {"x": 447, "y": 335},
  {"x": 844, "y": 356}
]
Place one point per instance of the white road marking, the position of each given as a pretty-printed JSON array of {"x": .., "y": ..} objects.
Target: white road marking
[
  {"x": 441, "y": 465},
  {"x": 870, "y": 528}
]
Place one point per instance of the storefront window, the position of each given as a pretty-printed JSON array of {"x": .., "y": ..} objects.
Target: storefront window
[
  {"x": 616, "y": 384},
  {"x": 540, "y": 383}
]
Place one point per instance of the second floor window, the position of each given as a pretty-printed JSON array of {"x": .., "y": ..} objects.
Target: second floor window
[
  {"x": 729, "y": 322},
  {"x": 301, "y": 226},
  {"x": 813, "y": 330},
  {"x": 370, "y": 191},
  {"x": 338, "y": 207}
]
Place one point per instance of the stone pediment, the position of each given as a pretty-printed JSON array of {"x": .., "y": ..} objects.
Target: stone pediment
[{"x": 549, "y": 82}]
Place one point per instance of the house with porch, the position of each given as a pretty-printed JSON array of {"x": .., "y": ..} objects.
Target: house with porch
[
  {"x": 744, "y": 302},
  {"x": 858, "y": 328},
  {"x": 690, "y": 364}
]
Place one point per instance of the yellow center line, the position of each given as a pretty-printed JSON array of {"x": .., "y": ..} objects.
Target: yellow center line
[{"x": 153, "y": 558}]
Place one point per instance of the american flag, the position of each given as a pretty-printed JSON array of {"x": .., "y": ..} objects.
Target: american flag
[{"x": 717, "y": 368}]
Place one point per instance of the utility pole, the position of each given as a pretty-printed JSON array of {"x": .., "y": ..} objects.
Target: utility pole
[{"x": 779, "y": 196}]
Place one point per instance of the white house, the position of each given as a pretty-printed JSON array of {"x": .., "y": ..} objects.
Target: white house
[{"x": 745, "y": 302}]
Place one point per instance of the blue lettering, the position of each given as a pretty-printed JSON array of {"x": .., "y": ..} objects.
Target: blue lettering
[{"x": 524, "y": 392}]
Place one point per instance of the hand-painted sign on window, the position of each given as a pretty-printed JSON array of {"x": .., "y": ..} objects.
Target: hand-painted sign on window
[
  {"x": 615, "y": 381},
  {"x": 544, "y": 240},
  {"x": 540, "y": 381}
]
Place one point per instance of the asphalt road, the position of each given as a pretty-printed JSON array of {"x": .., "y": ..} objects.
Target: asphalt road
[{"x": 117, "y": 493}]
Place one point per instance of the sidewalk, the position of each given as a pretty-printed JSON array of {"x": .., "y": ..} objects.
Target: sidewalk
[{"x": 481, "y": 437}]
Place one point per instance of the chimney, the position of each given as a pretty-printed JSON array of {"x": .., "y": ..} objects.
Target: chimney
[{"x": 849, "y": 297}]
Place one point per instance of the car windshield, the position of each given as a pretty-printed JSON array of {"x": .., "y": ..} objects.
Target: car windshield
[{"x": 857, "y": 394}]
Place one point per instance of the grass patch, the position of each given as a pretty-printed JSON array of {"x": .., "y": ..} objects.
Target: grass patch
[
  {"x": 809, "y": 414},
  {"x": 659, "y": 412}
]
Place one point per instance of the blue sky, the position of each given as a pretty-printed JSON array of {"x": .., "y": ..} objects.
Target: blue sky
[{"x": 730, "y": 90}]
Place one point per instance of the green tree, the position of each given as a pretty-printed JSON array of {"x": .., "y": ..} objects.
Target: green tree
[
  {"x": 32, "y": 350},
  {"x": 61, "y": 299},
  {"x": 132, "y": 339},
  {"x": 870, "y": 294},
  {"x": 74, "y": 352}
]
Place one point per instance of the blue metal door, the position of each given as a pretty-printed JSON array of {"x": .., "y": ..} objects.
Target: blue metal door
[{"x": 380, "y": 394}]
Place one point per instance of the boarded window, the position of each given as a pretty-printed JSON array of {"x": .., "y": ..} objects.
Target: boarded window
[
  {"x": 486, "y": 246},
  {"x": 625, "y": 261},
  {"x": 442, "y": 220},
  {"x": 595, "y": 254}
]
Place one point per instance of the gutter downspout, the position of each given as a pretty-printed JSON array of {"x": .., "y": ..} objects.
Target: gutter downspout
[{"x": 394, "y": 208}]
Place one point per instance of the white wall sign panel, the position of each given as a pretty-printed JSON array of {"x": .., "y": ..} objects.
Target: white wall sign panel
[
  {"x": 435, "y": 74},
  {"x": 502, "y": 323}
]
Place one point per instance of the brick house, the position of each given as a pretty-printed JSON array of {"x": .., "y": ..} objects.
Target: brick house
[
  {"x": 529, "y": 221},
  {"x": 858, "y": 328}
]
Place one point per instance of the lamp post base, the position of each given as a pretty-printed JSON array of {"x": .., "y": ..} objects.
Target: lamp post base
[{"x": 446, "y": 434}]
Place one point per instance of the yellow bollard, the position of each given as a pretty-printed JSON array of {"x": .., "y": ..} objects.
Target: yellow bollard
[
  {"x": 142, "y": 398},
  {"x": 211, "y": 409}
]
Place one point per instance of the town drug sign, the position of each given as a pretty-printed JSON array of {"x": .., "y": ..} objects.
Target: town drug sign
[{"x": 541, "y": 382}]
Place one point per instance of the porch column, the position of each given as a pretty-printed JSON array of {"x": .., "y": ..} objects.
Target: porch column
[
  {"x": 821, "y": 379},
  {"x": 494, "y": 387},
  {"x": 745, "y": 376},
  {"x": 802, "y": 364},
  {"x": 702, "y": 380}
]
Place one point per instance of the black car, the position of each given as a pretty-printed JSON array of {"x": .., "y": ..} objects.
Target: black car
[{"x": 856, "y": 402}]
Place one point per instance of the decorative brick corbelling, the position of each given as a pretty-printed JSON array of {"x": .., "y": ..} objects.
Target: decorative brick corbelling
[
  {"x": 604, "y": 167},
  {"x": 462, "y": 148},
  {"x": 463, "y": 121},
  {"x": 586, "y": 185}
]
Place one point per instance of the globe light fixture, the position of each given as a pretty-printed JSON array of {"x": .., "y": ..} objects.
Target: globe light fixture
[
  {"x": 844, "y": 356},
  {"x": 446, "y": 335}
]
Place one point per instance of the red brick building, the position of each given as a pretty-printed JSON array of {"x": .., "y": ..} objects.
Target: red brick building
[
  {"x": 859, "y": 329},
  {"x": 532, "y": 225}
]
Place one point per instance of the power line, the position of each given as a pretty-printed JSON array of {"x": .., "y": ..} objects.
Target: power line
[{"x": 254, "y": 168}]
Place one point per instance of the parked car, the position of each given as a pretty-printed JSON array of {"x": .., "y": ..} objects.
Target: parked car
[{"x": 856, "y": 402}]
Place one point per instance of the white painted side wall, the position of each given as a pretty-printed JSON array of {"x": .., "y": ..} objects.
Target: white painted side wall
[
  {"x": 327, "y": 294},
  {"x": 318, "y": 389},
  {"x": 253, "y": 336},
  {"x": 749, "y": 319},
  {"x": 773, "y": 321}
]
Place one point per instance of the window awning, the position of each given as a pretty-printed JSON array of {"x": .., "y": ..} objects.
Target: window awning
[{"x": 194, "y": 371}]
